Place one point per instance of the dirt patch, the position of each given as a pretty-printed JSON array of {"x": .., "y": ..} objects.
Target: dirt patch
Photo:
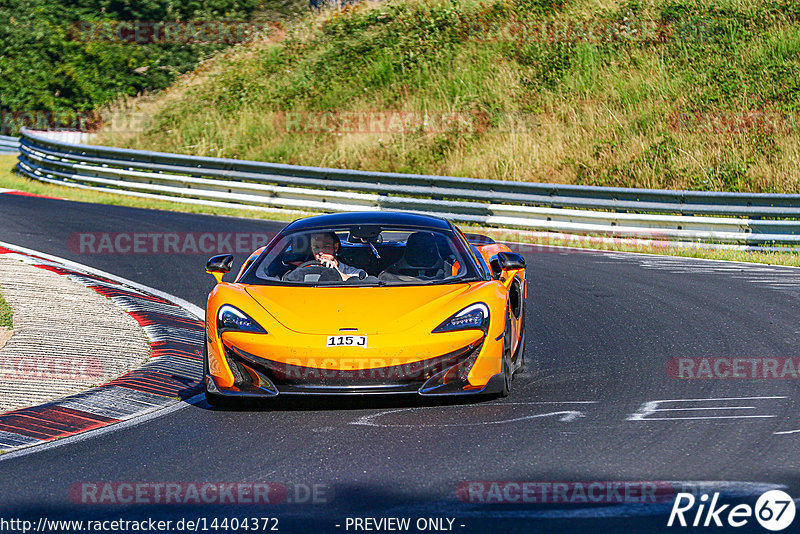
[{"x": 5, "y": 335}]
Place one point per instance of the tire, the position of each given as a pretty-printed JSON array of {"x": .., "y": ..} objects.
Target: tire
[
  {"x": 508, "y": 370},
  {"x": 519, "y": 360},
  {"x": 506, "y": 384}
]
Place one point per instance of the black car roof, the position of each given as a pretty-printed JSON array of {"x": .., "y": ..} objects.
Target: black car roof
[{"x": 383, "y": 218}]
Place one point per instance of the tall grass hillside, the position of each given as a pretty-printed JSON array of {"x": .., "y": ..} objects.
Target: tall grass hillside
[{"x": 679, "y": 94}]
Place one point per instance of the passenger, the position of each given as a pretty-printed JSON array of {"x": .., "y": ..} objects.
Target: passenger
[
  {"x": 325, "y": 247},
  {"x": 421, "y": 261}
]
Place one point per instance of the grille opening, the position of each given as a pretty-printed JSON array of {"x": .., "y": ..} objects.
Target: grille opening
[
  {"x": 286, "y": 376},
  {"x": 241, "y": 376}
]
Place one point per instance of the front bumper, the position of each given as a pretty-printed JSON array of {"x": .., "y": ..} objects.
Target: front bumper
[
  {"x": 495, "y": 385},
  {"x": 258, "y": 377}
]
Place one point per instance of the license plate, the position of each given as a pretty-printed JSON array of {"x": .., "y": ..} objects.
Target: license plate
[{"x": 346, "y": 341}]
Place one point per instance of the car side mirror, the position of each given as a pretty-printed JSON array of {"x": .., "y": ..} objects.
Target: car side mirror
[
  {"x": 505, "y": 261},
  {"x": 217, "y": 266}
]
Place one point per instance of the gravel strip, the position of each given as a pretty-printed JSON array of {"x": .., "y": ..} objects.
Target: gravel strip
[{"x": 67, "y": 337}]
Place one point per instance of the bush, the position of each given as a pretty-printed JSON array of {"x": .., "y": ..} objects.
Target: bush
[{"x": 47, "y": 65}]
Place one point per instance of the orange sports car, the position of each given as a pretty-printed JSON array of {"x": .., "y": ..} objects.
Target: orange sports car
[{"x": 366, "y": 303}]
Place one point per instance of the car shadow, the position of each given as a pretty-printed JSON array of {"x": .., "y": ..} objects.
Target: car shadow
[{"x": 343, "y": 403}]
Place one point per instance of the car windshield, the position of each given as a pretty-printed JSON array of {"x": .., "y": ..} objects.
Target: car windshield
[{"x": 364, "y": 255}]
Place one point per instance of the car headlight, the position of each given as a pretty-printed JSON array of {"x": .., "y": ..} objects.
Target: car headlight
[
  {"x": 473, "y": 317},
  {"x": 230, "y": 319}
]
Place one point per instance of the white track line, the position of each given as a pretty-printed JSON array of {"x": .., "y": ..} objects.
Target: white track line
[
  {"x": 784, "y": 432},
  {"x": 682, "y": 259}
]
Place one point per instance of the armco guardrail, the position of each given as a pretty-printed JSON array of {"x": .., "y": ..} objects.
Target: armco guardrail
[
  {"x": 9, "y": 145},
  {"x": 679, "y": 215}
]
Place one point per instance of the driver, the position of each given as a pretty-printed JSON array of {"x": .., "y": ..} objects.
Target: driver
[{"x": 324, "y": 247}]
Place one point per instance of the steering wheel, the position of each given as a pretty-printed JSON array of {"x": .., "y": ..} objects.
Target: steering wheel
[
  {"x": 312, "y": 271},
  {"x": 311, "y": 263}
]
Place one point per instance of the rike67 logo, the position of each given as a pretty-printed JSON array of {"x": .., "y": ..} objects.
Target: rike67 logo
[{"x": 774, "y": 510}]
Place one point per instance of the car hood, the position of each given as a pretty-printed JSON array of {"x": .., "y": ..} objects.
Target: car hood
[{"x": 368, "y": 310}]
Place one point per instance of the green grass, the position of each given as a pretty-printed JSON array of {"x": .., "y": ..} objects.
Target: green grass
[
  {"x": 6, "y": 314},
  {"x": 10, "y": 180},
  {"x": 591, "y": 112}
]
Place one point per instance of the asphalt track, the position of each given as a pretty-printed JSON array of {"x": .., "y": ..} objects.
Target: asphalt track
[{"x": 600, "y": 330}]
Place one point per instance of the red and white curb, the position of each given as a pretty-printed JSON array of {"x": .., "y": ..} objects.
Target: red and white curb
[
  {"x": 25, "y": 194},
  {"x": 175, "y": 329}
]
